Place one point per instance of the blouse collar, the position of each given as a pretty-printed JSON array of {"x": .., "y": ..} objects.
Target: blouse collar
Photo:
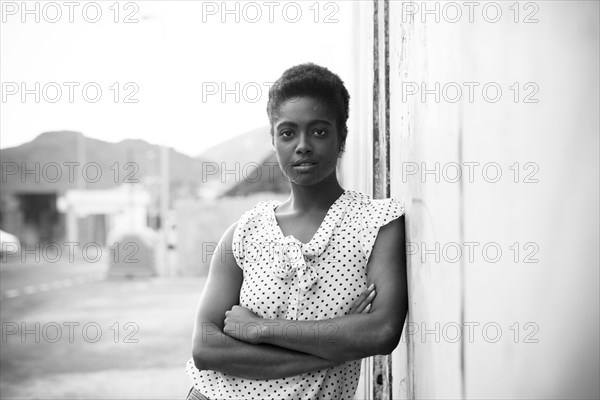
[
  {"x": 290, "y": 253},
  {"x": 321, "y": 238}
]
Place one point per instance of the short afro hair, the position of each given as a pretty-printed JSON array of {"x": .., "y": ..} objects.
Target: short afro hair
[{"x": 311, "y": 80}]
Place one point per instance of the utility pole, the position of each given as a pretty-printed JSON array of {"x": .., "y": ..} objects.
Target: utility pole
[{"x": 163, "y": 259}]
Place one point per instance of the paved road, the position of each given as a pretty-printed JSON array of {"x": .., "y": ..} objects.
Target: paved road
[
  {"x": 19, "y": 279},
  {"x": 93, "y": 338}
]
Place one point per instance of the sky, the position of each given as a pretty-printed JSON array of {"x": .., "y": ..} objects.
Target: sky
[{"x": 186, "y": 74}]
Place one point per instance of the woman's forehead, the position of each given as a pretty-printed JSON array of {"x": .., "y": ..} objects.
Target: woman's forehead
[{"x": 304, "y": 106}]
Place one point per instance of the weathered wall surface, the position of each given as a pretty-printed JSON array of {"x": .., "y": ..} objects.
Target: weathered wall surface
[
  {"x": 425, "y": 134},
  {"x": 503, "y": 259}
]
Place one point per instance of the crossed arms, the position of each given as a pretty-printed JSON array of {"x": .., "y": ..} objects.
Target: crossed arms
[{"x": 232, "y": 339}]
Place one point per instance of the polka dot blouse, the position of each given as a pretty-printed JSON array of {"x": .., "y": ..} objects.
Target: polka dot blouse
[{"x": 287, "y": 279}]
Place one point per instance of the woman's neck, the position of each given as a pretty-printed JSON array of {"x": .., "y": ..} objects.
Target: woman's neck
[{"x": 313, "y": 198}]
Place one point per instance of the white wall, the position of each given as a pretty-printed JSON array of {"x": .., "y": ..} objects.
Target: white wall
[
  {"x": 423, "y": 134},
  {"x": 558, "y": 215}
]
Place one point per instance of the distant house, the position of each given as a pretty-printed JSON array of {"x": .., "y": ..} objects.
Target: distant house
[
  {"x": 120, "y": 209},
  {"x": 36, "y": 174}
]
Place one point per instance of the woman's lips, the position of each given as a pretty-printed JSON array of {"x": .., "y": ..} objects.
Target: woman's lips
[{"x": 302, "y": 167}]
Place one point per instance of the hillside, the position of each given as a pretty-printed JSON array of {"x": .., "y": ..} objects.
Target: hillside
[
  {"x": 58, "y": 161},
  {"x": 64, "y": 160}
]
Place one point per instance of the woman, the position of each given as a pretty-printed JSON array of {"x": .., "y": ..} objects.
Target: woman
[{"x": 312, "y": 285}]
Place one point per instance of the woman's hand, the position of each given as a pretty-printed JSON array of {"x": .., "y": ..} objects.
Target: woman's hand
[
  {"x": 242, "y": 324},
  {"x": 363, "y": 303}
]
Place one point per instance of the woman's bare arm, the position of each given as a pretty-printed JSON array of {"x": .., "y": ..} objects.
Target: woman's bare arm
[
  {"x": 255, "y": 361},
  {"x": 353, "y": 336},
  {"x": 214, "y": 350}
]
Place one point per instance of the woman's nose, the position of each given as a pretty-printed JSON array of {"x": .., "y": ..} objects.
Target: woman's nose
[{"x": 304, "y": 144}]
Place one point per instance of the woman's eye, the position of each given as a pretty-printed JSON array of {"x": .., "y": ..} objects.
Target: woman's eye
[
  {"x": 285, "y": 133},
  {"x": 320, "y": 132}
]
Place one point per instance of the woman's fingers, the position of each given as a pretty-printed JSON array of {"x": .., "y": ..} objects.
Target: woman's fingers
[
  {"x": 358, "y": 302},
  {"x": 363, "y": 301},
  {"x": 366, "y": 304}
]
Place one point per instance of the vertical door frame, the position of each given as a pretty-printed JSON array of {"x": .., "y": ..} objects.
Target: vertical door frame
[{"x": 381, "y": 364}]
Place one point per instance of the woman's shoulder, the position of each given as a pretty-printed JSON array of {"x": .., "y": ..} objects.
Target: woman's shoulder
[
  {"x": 358, "y": 197},
  {"x": 258, "y": 211},
  {"x": 375, "y": 210},
  {"x": 250, "y": 222},
  {"x": 366, "y": 200}
]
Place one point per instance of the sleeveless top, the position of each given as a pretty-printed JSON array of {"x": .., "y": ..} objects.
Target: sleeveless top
[{"x": 287, "y": 279}]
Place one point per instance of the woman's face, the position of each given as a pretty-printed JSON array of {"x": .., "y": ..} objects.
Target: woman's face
[{"x": 305, "y": 131}]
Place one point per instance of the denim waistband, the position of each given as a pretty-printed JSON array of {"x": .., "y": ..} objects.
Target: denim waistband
[{"x": 195, "y": 394}]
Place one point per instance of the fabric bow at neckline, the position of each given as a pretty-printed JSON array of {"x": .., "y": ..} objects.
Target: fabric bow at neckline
[
  {"x": 290, "y": 253},
  {"x": 289, "y": 258}
]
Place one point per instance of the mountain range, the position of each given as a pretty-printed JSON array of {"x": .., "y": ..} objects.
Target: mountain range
[{"x": 63, "y": 160}]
